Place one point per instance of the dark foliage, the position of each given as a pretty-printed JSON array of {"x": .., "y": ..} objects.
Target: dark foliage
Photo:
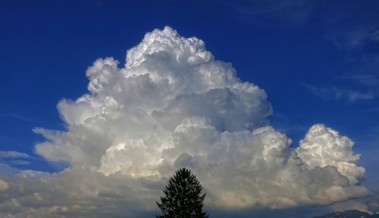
[{"x": 183, "y": 198}]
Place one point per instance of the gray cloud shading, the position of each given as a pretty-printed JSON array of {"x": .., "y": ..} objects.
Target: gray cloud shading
[{"x": 173, "y": 105}]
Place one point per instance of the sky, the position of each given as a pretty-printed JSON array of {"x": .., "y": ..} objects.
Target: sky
[{"x": 273, "y": 105}]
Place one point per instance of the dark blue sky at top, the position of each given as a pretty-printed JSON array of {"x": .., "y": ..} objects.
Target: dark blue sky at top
[{"x": 311, "y": 57}]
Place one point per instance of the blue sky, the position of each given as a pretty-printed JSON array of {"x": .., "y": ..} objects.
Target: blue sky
[{"x": 317, "y": 61}]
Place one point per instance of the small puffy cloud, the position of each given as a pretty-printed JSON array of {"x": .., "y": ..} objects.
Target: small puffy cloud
[
  {"x": 324, "y": 147},
  {"x": 173, "y": 105}
]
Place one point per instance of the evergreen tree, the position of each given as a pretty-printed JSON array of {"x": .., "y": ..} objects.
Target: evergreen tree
[{"x": 183, "y": 198}]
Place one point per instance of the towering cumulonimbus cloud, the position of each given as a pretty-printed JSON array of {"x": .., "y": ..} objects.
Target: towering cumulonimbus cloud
[{"x": 173, "y": 105}]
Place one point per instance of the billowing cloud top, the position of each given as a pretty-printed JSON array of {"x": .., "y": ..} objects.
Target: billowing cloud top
[{"x": 173, "y": 105}]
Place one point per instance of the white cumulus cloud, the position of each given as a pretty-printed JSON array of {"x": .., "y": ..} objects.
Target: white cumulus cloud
[
  {"x": 174, "y": 105},
  {"x": 324, "y": 147}
]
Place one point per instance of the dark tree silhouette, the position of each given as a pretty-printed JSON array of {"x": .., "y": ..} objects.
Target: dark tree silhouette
[{"x": 183, "y": 198}]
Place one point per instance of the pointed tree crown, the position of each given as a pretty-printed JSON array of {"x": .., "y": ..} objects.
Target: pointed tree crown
[{"x": 183, "y": 197}]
